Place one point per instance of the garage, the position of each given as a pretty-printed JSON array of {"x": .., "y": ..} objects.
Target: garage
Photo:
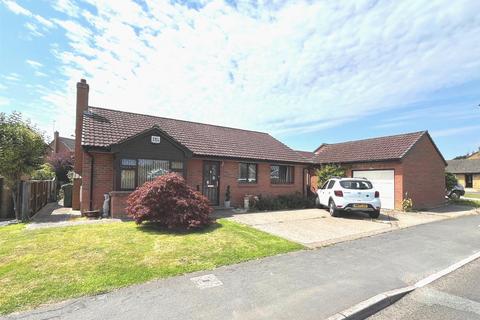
[
  {"x": 403, "y": 166},
  {"x": 383, "y": 181}
]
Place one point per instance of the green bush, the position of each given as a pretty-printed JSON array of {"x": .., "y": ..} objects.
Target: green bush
[
  {"x": 282, "y": 202},
  {"x": 450, "y": 180},
  {"x": 45, "y": 172},
  {"x": 328, "y": 171}
]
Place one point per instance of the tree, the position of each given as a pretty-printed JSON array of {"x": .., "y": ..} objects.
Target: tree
[
  {"x": 44, "y": 173},
  {"x": 22, "y": 149},
  {"x": 169, "y": 202},
  {"x": 328, "y": 171},
  {"x": 62, "y": 163},
  {"x": 450, "y": 180}
]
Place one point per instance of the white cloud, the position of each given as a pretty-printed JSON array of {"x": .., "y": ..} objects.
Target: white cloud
[
  {"x": 34, "y": 64},
  {"x": 34, "y": 31},
  {"x": 18, "y": 9},
  {"x": 12, "y": 76},
  {"x": 280, "y": 67},
  {"x": 67, "y": 7},
  {"x": 40, "y": 74},
  {"x": 454, "y": 131},
  {"x": 4, "y": 101}
]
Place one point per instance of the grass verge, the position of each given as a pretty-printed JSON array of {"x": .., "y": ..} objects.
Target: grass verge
[
  {"x": 471, "y": 203},
  {"x": 472, "y": 195},
  {"x": 52, "y": 264}
]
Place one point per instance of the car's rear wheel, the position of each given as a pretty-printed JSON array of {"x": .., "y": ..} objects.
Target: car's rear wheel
[
  {"x": 332, "y": 208},
  {"x": 374, "y": 214}
]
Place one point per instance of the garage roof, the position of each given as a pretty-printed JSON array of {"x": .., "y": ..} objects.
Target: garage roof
[
  {"x": 464, "y": 166},
  {"x": 368, "y": 150}
]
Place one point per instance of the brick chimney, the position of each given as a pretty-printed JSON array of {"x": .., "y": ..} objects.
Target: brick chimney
[
  {"x": 56, "y": 141},
  {"x": 82, "y": 106}
]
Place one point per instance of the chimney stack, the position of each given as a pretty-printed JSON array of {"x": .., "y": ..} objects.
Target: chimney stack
[
  {"x": 82, "y": 106},
  {"x": 55, "y": 141}
]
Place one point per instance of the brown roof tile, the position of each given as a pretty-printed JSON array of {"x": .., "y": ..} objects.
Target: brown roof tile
[
  {"x": 105, "y": 127},
  {"x": 375, "y": 149}
]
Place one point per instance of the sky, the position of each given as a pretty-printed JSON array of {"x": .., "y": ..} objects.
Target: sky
[{"x": 308, "y": 72}]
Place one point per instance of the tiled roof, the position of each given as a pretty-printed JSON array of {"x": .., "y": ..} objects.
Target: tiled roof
[
  {"x": 69, "y": 143},
  {"x": 463, "y": 166},
  {"x": 375, "y": 149},
  {"x": 306, "y": 154},
  {"x": 106, "y": 127}
]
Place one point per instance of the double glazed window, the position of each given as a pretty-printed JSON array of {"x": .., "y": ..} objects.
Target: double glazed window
[
  {"x": 281, "y": 174},
  {"x": 247, "y": 172},
  {"x": 135, "y": 172}
]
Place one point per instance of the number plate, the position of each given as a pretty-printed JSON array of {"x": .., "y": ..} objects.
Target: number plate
[{"x": 360, "y": 205}]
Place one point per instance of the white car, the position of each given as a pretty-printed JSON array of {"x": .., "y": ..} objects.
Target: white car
[{"x": 349, "y": 194}]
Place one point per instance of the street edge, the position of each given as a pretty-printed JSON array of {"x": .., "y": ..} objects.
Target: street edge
[{"x": 376, "y": 303}]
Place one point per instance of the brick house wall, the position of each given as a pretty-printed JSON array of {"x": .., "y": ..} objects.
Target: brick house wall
[
  {"x": 229, "y": 176},
  {"x": 424, "y": 177},
  {"x": 102, "y": 179},
  {"x": 386, "y": 165}
]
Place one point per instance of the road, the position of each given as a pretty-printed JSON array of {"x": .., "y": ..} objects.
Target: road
[
  {"x": 310, "y": 284},
  {"x": 455, "y": 296}
]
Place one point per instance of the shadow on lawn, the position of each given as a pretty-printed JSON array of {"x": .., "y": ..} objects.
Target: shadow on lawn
[{"x": 155, "y": 228}]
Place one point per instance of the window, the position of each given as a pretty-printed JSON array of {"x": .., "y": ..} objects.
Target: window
[
  {"x": 324, "y": 185},
  {"x": 331, "y": 184},
  {"x": 281, "y": 174},
  {"x": 135, "y": 172},
  {"x": 150, "y": 169},
  {"x": 127, "y": 174},
  {"x": 356, "y": 184},
  {"x": 247, "y": 173}
]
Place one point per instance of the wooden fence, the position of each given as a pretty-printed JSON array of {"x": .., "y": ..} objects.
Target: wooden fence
[{"x": 34, "y": 195}]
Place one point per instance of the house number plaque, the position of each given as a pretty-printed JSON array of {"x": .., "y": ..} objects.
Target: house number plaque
[{"x": 155, "y": 139}]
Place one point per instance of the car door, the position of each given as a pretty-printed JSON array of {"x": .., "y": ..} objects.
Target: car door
[
  {"x": 321, "y": 191},
  {"x": 328, "y": 192},
  {"x": 324, "y": 196}
]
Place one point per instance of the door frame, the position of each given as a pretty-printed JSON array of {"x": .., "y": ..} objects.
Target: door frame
[
  {"x": 217, "y": 163},
  {"x": 468, "y": 180}
]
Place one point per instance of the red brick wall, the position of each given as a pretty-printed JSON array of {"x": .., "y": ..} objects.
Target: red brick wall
[
  {"x": 424, "y": 172},
  {"x": 229, "y": 176},
  {"x": 118, "y": 203},
  {"x": 102, "y": 179},
  {"x": 398, "y": 175}
]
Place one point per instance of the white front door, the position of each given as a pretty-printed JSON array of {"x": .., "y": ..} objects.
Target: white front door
[{"x": 383, "y": 181}]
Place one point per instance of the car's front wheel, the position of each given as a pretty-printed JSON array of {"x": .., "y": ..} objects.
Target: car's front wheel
[
  {"x": 455, "y": 195},
  {"x": 374, "y": 214},
  {"x": 332, "y": 208}
]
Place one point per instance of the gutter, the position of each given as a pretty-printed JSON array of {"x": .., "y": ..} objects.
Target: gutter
[{"x": 92, "y": 161}]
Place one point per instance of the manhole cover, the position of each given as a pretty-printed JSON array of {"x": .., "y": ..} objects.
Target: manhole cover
[{"x": 206, "y": 281}]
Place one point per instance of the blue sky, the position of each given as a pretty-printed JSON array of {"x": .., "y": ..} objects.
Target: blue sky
[{"x": 306, "y": 72}]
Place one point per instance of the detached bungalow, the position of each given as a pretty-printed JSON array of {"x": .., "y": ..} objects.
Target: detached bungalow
[
  {"x": 467, "y": 172},
  {"x": 119, "y": 151}
]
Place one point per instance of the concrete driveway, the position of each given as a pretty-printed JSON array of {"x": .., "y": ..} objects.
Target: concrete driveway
[{"x": 316, "y": 228}]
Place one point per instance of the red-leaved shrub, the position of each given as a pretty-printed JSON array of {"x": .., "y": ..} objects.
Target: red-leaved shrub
[{"x": 170, "y": 202}]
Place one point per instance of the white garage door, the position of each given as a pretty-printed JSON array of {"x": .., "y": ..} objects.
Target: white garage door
[{"x": 383, "y": 182}]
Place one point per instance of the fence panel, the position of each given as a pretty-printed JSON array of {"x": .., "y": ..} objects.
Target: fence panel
[{"x": 34, "y": 195}]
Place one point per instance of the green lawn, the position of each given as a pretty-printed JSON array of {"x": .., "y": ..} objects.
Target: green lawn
[
  {"x": 46, "y": 265},
  {"x": 472, "y": 195},
  {"x": 471, "y": 203}
]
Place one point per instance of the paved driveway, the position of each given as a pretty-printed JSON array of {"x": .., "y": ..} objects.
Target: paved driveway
[{"x": 315, "y": 227}]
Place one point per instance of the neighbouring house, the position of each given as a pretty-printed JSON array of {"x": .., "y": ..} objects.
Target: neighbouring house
[
  {"x": 399, "y": 166},
  {"x": 467, "y": 172},
  {"x": 119, "y": 151},
  {"x": 61, "y": 145}
]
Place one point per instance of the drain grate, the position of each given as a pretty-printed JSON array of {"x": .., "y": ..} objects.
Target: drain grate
[{"x": 206, "y": 281}]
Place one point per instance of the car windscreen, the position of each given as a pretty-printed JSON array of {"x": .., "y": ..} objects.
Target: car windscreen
[{"x": 356, "y": 184}]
